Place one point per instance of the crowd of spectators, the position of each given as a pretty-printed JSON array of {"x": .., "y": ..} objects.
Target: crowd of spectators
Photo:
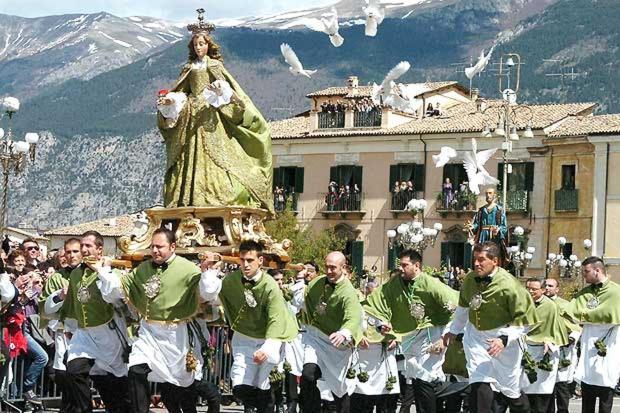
[
  {"x": 402, "y": 193},
  {"x": 282, "y": 196},
  {"x": 456, "y": 198},
  {"x": 342, "y": 197}
]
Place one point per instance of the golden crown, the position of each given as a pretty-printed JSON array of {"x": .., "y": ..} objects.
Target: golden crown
[{"x": 201, "y": 26}]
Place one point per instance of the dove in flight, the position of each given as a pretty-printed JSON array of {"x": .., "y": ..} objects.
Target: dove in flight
[
  {"x": 327, "y": 24},
  {"x": 443, "y": 157},
  {"x": 480, "y": 65},
  {"x": 291, "y": 58},
  {"x": 386, "y": 93},
  {"x": 473, "y": 163},
  {"x": 375, "y": 13}
]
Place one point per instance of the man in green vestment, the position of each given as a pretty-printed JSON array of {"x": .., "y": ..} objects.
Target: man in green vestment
[
  {"x": 416, "y": 308},
  {"x": 494, "y": 312},
  {"x": 96, "y": 348},
  {"x": 543, "y": 347},
  {"x": 58, "y": 283},
  {"x": 334, "y": 325},
  {"x": 596, "y": 308},
  {"x": 260, "y": 318}
]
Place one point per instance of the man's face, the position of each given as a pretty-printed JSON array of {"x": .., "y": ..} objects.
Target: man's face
[
  {"x": 161, "y": 249},
  {"x": 490, "y": 195},
  {"x": 250, "y": 263},
  {"x": 62, "y": 260},
  {"x": 535, "y": 289},
  {"x": 73, "y": 254},
  {"x": 591, "y": 274},
  {"x": 483, "y": 265},
  {"x": 551, "y": 287},
  {"x": 279, "y": 279},
  {"x": 310, "y": 273},
  {"x": 334, "y": 267},
  {"x": 89, "y": 249},
  {"x": 409, "y": 269},
  {"x": 32, "y": 249}
]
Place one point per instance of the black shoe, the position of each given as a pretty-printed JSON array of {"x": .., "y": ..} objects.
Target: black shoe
[{"x": 29, "y": 396}]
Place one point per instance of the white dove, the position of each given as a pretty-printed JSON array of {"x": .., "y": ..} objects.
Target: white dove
[
  {"x": 444, "y": 156},
  {"x": 381, "y": 93},
  {"x": 474, "y": 166},
  {"x": 480, "y": 65},
  {"x": 291, "y": 58},
  {"x": 327, "y": 24},
  {"x": 375, "y": 13}
]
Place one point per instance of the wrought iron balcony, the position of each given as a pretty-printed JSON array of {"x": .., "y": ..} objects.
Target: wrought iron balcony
[
  {"x": 517, "y": 200},
  {"x": 566, "y": 200},
  {"x": 401, "y": 199},
  {"x": 367, "y": 119},
  {"x": 287, "y": 201},
  {"x": 330, "y": 120},
  {"x": 342, "y": 203},
  {"x": 458, "y": 202}
]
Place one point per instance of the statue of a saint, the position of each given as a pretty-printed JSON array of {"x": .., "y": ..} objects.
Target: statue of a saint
[
  {"x": 218, "y": 144},
  {"x": 489, "y": 223}
]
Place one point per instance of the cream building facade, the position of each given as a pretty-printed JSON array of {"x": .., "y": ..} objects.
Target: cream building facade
[{"x": 560, "y": 182}]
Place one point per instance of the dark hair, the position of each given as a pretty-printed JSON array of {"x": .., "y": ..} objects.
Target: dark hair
[
  {"x": 247, "y": 246},
  {"x": 15, "y": 254},
  {"x": 314, "y": 264},
  {"x": 72, "y": 240},
  {"x": 213, "y": 52},
  {"x": 536, "y": 280},
  {"x": 98, "y": 237},
  {"x": 28, "y": 240},
  {"x": 170, "y": 236},
  {"x": 413, "y": 255},
  {"x": 594, "y": 261},
  {"x": 273, "y": 272},
  {"x": 489, "y": 247}
]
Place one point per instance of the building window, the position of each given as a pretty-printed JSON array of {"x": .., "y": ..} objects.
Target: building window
[
  {"x": 288, "y": 183},
  {"x": 520, "y": 184},
  {"x": 406, "y": 183},
  {"x": 568, "y": 176},
  {"x": 344, "y": 192},
  {"x": 456, "y": 172}
]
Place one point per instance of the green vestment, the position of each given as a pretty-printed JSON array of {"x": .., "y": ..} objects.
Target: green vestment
[
  {"x": 551, "y": 327},
  {"x": 178, "y": 297},
  {"x": 92, "y": 311},
  {"x": 331, "y": 309},
  {"x": 596, "y": 305},
  {"x": 269, "y": 318},
  {"x": 216, "y": 156},
  {"x": 58, "y": 281},
  {"x": 504, "y": 302},
  {"x": 393, "y": 302}
]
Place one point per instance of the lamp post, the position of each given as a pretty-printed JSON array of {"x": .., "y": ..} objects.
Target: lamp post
[
  {"x": 567, "y": 268},
  {"x": 13, "y": 154},
  {"x": 507, "y": 122},
  {"x": 413, "y": 234},
  {"x": 520, "y": 258}
]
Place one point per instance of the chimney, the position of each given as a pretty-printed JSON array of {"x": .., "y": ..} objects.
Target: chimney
[
  {"x": 352, "y": 82},
  {"x": 475, "y": 94}
]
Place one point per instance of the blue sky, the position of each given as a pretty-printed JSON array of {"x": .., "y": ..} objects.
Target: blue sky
[{"x": 172, "y": 10}]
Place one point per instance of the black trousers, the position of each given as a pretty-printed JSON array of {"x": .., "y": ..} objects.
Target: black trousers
[
  {"x": 211, "y": 393},
  {"x": 560, "y": 398},
  {"x": 482, "y": 399},
  {"x": 176, "y": 399},
  {"x": 113, "y": 390},
  {"x": 384, "y": 403},
  {"x": 253, "y": 397},
  {"x": 61, "y": 378},
  {"x": 539, "y": 403},
  {"x": 289, "y": 386},
  {"x": 425, "y": 398},
  {"x": 310, "y": 396},
  {"x": 589, "y": 394},
  {"x": 407, "y": 394}
]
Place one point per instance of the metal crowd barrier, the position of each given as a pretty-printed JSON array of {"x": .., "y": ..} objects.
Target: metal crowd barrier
[{"x": 48, "y": 391}]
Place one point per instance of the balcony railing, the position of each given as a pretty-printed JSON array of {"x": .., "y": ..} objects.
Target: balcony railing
[
  {"x": 289, "y": 201},
  {"x": 566, "y": 200},
  {"x": 329, "y": 120},
  {"x": 341, "y": 203},
  {"x": 458, "y": 202},
  {"x": 367, "y": 119},
  {"x": 517, "y": 201},
  {"x": 401, "y": 199}
]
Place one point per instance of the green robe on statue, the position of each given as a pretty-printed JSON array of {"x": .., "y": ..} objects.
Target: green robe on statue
[
  {"x": 392, "y": 303},
  {"x": 342, "y": 307},
  {"x": 269, "y": 319},
  {"x": 216, "y": 156}
]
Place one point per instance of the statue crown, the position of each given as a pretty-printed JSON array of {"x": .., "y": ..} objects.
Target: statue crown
[{"x": 201, "y": 26}]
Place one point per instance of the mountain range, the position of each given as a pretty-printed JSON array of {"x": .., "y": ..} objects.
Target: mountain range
[{"x": 101, "y": 156}]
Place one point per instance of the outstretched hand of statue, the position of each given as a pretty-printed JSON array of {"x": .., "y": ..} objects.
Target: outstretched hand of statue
[{"x": 163, "y": 100}]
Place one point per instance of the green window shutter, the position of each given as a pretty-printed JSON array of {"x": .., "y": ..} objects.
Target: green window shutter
[
  {"x": 394, "y": 176},
  {"x": 334, "y": 175},
  {"x": 529, "y": 176},
  {"x": 418, "y": 177},
  {"x": 467, "y": 255},
  {"x": 500, "y": 175},
  {"x": 357, "y": 256},
  {"x": 447, "y": 169},
  {"x": 391, "y": 258},
  {"x": 445, "y": 253},
  {"x": 357, "y": 176},
  {"x": 299, "y": 180},
  {"x": 276, "y": 177}
]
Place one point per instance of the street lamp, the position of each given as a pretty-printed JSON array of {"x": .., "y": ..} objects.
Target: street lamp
[
  {"x": 13, "y": 154},
  {"x": 567, "y": 268},
  {"x": 413, "y": 234}
]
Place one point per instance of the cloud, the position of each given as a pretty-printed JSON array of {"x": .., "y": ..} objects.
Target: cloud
[{"x": 177, "y": 10}]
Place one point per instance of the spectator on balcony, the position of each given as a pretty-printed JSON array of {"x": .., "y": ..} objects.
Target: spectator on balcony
[
  {"x": 396, "y": 188},
  {"x": 430, "y": 110},
  {"x": 410, "y": 188},
  {"x": 448, "y": 194},
  {"x": 279, "y": 199},
  {"x": 437, "y": 111}
]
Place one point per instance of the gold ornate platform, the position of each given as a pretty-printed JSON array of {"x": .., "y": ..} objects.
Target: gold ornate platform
[{"x": 201, "y": 229}]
